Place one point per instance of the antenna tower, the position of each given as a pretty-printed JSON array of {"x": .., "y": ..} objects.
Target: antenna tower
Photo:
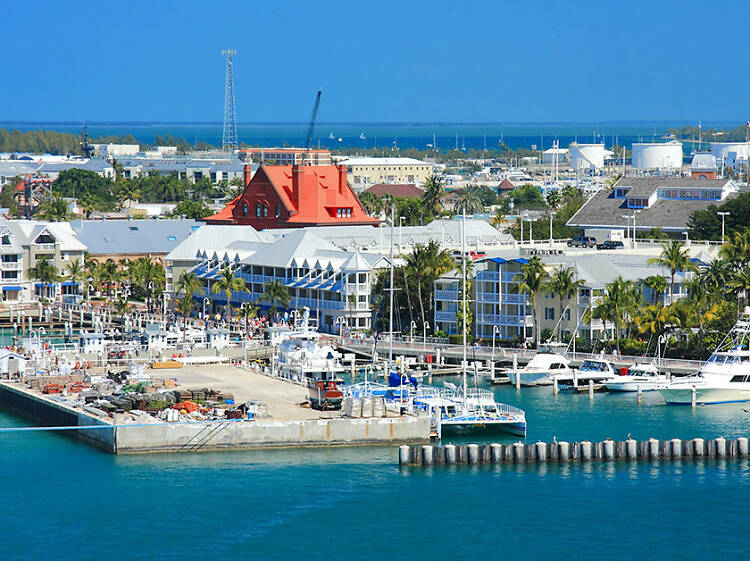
[{"x": 229, "y": 134}]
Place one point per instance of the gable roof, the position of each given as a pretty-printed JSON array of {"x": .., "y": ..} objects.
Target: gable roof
[{"x": 103, "y": 237}]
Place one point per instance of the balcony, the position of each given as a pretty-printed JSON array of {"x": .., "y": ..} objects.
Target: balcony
[
  {"x": 11, "y": 266},
  {"x": 445, "y": 316},
  {"x": 446, "y": 295},
  {"x": 43, "y": 247}
]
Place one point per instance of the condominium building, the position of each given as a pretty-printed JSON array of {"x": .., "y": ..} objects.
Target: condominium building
[{"x": 364, "y": 172}]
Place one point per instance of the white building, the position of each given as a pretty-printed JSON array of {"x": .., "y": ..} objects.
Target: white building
[
  {"x": 115, "y": 150},
  {"x": 366, "y": 171},
  {"x": 587, "y": 156},
  {"x": 548, "y": 156},
  {"x": 731, "y": 153}
]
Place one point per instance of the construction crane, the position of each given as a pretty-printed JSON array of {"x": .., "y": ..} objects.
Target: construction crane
[{"x": 308, "y": 138}]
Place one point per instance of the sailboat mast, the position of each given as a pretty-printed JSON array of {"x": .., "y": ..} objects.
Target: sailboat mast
[
  {"x": 390, "y": 296},
  {"x": 463, "y": 296}
]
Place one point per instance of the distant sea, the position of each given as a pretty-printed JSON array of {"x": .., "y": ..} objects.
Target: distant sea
[{"x": 537, "y": 136}]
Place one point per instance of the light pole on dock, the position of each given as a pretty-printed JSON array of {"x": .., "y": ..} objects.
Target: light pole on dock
[{"x": 723, "y": 215}]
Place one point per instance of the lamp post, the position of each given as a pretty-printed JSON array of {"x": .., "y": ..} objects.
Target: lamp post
[
  {"x": 425, "y": 327},
  {"x": 341, "y": 322},
  {"x": 723, "y": 215},
  {"x": 531, "y": 231},
  {"x": 412, "y": 327},
  {"x": 495, "y": 331},
  {"x": 400, "y": 224},
  {"x": 634, "y": 231},
  {"x": 205, "y": 301},
  {"x": 551, "y": 214}
]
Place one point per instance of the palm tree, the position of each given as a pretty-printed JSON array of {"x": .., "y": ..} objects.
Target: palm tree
[
  {"x": 532, "y": 279},
  {"x": 75, "y": 272},
  {"x": 715, "y": 275},
  {"x": 55, "y": 209},
  {"x": 45, "y": 272},
  {"x": 108, "y": 273},
  {"x": 226, "y": 284},
  {"x": 622, "y": 300},
  {"x": 275, "y": 294},
  {"x": 563, "y": 282},
  {"x": 469, "y": 201},
  {"x": 739, "y": 282},
  {"x": 737, "y": 249},
  {"x": 655, "y": 318},
  {"x": 602, "y": 311},
  {"x": 554, "y": 199},
  {"x": 702, "y": 305},
  {"x": 433, "y": 192},
  {"x": 464, "y": 307},
  {"x": 675, "y": 258},
  {"x": 188, "y": 283},
  {"x": 658, "y": 286}
]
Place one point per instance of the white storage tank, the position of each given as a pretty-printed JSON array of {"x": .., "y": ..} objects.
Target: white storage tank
[
  {"x": 730, "y": 152},
  {"x": 587, "y": 156},
  {"x": 657, "y": 155}
]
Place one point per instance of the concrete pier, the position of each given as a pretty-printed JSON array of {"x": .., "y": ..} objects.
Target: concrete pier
[{"x": 585, "y": 451}]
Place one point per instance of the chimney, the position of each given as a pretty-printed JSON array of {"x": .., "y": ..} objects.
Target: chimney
[
  {"x": 246, "y": 171},
  {"x": 297, "y": 180},
  {"x": 342, "y": 178}
]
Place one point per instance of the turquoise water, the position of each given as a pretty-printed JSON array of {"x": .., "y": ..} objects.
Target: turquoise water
[{"x": 64, "y": 500}]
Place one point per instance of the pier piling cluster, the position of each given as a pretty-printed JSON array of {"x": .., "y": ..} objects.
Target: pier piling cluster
[{"x": 584, "y": 451}]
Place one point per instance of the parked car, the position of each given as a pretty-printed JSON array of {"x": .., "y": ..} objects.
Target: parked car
[
  {"x": 610, "y": 244},
  {"x": 582, "y": 241}
]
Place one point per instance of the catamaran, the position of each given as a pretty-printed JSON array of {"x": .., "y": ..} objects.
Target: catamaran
[{"x": 724, "y": 377}]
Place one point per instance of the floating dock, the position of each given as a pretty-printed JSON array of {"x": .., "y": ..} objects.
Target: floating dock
[
  {"x": 565, "y": 452},
  {"x": 105, "y": 433}
]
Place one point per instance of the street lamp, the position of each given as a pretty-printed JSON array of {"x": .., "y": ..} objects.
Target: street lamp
[
  {"x": 400, "y": 224},
  {"x": 205, "y": 301},
  {"x": 412, "y": 327},
  {"x": 425, "y": 327},
  {"x": 627, "y": 226},
  {"x": 634, "y": 231},
  {"x": 341, "y": 322},
  {"x": 723, "y": 214},
  {"x": 495, "y": 331},
  {"x": 551, "y": 214}
]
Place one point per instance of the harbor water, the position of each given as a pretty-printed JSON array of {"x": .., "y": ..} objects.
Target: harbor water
[{"x": 65, "y": 500}]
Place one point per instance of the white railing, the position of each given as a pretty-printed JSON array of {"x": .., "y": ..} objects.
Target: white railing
[
  {"x": 43, "y": 246},
  {"x": 11, "y": 266}
]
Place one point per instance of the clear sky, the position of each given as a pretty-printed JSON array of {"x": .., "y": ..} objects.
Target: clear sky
[{"x": 572, "y": 61}]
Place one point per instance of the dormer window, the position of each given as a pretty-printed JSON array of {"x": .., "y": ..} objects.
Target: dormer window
[
  {"x": 5, "y": 240},
  {"x": 45, "y": 238},
  {"x": 620, "y": 192}
]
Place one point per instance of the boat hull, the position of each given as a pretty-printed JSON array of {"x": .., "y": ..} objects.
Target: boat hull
[
  {"x": 466, "y": 426},
  {"x": 530, "y": 378},
  {"x": 704, "y": 396},
  {"x": 632, "y": 386}
]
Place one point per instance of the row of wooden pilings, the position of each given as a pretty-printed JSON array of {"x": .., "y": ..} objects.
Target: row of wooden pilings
[{"x": 585, "y": 451}]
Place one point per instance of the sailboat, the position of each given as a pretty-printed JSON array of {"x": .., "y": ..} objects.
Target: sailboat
[
  {"x": 330, "y": 135},
  {"x": 472, "y": 409},
  {"x": 362, "y": 136}
]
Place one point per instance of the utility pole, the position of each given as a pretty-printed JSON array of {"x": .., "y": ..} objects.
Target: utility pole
[{"x": 229, "y": 134}]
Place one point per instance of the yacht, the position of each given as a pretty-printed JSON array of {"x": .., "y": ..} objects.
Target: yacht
[
  {"x": 302, "y": 358},
  {"x": 595, "y": 369},
  {"x": 540, "y": 370},
  {"x": 643, "y": 376},
  {"x": 724, "y": 377}
]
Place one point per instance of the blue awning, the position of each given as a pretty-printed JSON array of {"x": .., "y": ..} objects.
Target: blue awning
[
  {"x": 11, "y": 288},
  {"x": 70, "y": 283},
  {"x": 43, "y": 284},
  {"x": 500, "y": 260}
]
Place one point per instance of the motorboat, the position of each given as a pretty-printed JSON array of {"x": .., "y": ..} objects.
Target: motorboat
[
  {"x": 595, "y": 370},
  {"x": 540, "y": 370},
  {"x": 723, "y": 378},
  {"x": 645, "y": 376}
]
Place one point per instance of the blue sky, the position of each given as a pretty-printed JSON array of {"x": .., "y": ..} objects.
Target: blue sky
[{"x": 580, "y": 61}]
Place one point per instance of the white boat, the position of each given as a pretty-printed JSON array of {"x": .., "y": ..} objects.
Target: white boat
[
  {"x": 540, "y": 370},
  {"x": 595, "y": 369},
  {"x": 724, "y": 377},
  {"x": 303, "y": 359},
  {"x": 644, "y": 376}
]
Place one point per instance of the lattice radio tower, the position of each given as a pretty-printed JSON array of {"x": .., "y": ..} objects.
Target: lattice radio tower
[{"x": 229, "y": 135}]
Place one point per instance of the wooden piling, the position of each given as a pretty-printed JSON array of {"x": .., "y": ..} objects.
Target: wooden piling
[
  {"x": 450, "y": 454},
  {"x": 554, "y": 385},
  {"x": 496, "y": 453},
  {"x": 473, "y": 454},
  {"x": 427, "y": 455},
  {"x": 563, "y": 451},
  {"x": 403, "y": 455}
]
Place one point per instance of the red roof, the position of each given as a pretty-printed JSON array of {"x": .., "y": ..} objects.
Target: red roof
[
  {"x": 289, "y": 196},
  {"x": 506, "y": 185},
  {"x": 402, "y": 190}
]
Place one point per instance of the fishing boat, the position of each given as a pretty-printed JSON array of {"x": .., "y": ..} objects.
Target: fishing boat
[
  {"x": 724, "y": 377},
  {"x": 540, "y": 370},
  {"x": 644, "y": 376}
]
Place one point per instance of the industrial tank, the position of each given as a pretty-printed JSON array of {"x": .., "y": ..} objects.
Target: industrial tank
[
  {"x": 657, "y": 155},
  {"x": 730, "y": 152},
  {"x": 587, "y": 156}
]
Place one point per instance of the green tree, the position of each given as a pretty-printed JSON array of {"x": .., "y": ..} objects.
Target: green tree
[
  {"x": 226, "y": 284},
  {"x": 75, "y": 272},
  {"x": 658, "y": 286},
  {"x": 654, "y": 319},
  {"x": 275, "y": 294},
  {"x": 623, "y": 302},
  {"x": 532, "y": 280},
  {"x": 46, "y": 273},
  {"x": 191, "y": 209},
  {"x": 434, "y": 189},
  {"x": 674, "y": 257},
  {"x": 563, "y": 282},
  {"x": 469, "y": 202},
  {"x": 739, "y": 283},
  {"x": 248, "y": 311},
  {"x": 188, "y": 284},
  {"x": 54, "y": 209}
]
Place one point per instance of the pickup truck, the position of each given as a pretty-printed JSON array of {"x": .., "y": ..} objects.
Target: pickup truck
[
  {"x": 610, "y": 244},
  {"x": 582, "y": 241}
]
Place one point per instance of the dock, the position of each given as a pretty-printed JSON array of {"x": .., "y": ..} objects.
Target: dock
[{"x": 564, "y": 452}]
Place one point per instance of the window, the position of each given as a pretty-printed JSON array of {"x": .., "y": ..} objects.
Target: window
[
  {"x": 265, "y": 210},
  {"x": 566, "y": 315},
  {"x": 6, "y": 240},
  {"x": 172, "y": 238},
  {"x": 257, "y": 210},
  {"x": 244, "y": 208},
  {"x": 549, "y": 313},
  {"x": 277, "y": 212}
]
